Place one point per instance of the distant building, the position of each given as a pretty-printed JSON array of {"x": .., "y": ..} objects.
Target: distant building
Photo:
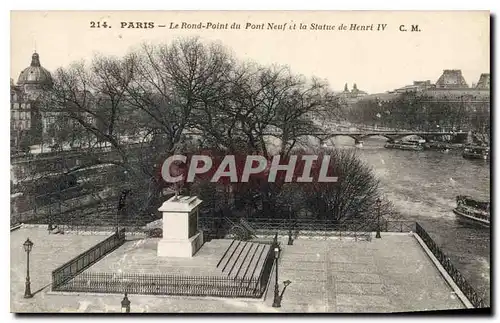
[
  {"x": 418, "y": 86},
  {"x": 451, "y": 79},
  {"x": 450, "y": 87},
  {"x": 450, "y": 82},
  {"x": 351, "y": 96},
  {"x": 26, "y": 117},
  {"x": 484, "y": 82},
  {"x": 35, "y": 79},
  {"x": 356, "y": 92}
]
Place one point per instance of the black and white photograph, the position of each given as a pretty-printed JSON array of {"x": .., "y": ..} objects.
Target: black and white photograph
[{"x": 250, "y": 162}]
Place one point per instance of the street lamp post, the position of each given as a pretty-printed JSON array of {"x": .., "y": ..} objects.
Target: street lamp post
[
  {"x": 28, "y": 245},
  {"x": 125, "y": 304},
  {"x": 277, "y": 299},
  {"x": 121, "y": 205},
  {"x": 378, "y": 218},
  {"x": 277, "y": 296},
  {"x": 290, "y": 239}
]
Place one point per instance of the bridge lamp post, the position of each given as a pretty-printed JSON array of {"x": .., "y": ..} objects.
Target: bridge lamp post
[
  {"x": 379, "y": 202},
  {"x": 28, "y": 245}
]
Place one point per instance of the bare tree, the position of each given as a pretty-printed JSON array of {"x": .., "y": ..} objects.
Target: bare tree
[
  {"x": 157, "y": 100},
  {"x": 351, "y": 198}
]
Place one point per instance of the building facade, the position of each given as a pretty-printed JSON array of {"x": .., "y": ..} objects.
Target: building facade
[
  {"x": 450, "y": 86},
  {"x": 27, "y": 120}
]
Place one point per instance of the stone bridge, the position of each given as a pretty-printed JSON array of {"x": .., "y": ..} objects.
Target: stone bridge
[{"x": 392, "y": 136}]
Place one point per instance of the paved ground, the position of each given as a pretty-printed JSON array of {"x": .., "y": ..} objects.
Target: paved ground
[
  {"x": 140, "y": 256},
  {"x": 392, "y": 274},
  {"x": 383, "y": 275},
  {"x": 49, "y": 252}
]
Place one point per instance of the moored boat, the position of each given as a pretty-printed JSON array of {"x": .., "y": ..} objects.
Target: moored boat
[
  {"x": 405, "y": 145},
  {"x": 473, "y": 210},
  {"x": 442, "y": 146},
  {"x": 476, "y": 152}
]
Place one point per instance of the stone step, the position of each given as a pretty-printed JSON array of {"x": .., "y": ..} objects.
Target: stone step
[
  {"x": 227, "y": 259},
  {"x": 235, "y": 257},
  {"x": 245, "y": 261},
  {"x": 242, "y": 260},
  {"x": 251, "y": 261},
  {"x": 261, "y": 258}
]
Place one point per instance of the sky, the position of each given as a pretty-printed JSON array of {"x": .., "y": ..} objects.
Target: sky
[{"x": 377, "y": 61}]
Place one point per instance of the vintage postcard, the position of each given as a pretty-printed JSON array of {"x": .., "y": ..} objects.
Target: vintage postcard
[{"x": 250, "y": 161}]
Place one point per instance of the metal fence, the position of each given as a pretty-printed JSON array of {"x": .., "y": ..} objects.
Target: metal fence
[
  {"x": 398, "y": 226},
  {"x": 267, "y": 268},
  {"x": 305, "y": 227},
  {"x": 77, "y": 265},
  {"x": 157, "y": 284},
  {"x": 457, "y": 277},
  {"x": 85, "y": 229},
  {"x": 160, "y": 284}
]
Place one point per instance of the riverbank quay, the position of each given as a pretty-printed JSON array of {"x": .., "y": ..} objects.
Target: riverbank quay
[{"x": 392, "y": 274}]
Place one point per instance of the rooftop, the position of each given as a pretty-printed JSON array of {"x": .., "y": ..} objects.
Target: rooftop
[
  {"x": 35, "y": 73},
  {"x": 328, "y": 275}
]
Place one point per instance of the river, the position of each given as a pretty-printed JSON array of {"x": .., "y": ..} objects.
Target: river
[{"x": 423, "y": 186}]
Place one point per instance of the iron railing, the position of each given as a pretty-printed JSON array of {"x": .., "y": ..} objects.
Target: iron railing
[
  {"x": 305, "y": 227},
  {"x": 398, "y": 226},
  {"x": 267, "y": 268},
  {"x": 457, "y": 277},
  {"x": 96, "y": 228},
  {"x": 158, "y": 284},
  {"x": 77, "y": 265}
]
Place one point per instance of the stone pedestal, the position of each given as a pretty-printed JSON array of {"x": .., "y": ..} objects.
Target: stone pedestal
[{"x": 181, "y": 236}]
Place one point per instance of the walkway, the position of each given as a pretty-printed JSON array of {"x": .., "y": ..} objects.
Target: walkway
[{"x": 392, "y": 274}]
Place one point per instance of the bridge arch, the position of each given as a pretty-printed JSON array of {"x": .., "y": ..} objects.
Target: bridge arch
[
  {"x": 392, "y": 138},
  {"x": 332, "y": 138},
  {"x": 378, "y": 135},
  {"x": 414, "y": 136}
]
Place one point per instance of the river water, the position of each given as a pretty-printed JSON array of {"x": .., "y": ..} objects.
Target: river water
[{"x": 423, "y": 186}]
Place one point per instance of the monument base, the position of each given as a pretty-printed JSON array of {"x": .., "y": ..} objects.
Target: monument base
[{"x": 180, "y": 248}]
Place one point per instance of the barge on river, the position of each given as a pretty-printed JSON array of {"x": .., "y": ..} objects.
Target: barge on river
[
  {"x": 405, "y": 145},
  {"x": 476, "y": 152},
  {"x": 472, "y": 210}
]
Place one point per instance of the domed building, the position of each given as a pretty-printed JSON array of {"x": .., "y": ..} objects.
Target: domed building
[
  {"x": 35, "y": 78},
  {"x": 26, "y": 118}
]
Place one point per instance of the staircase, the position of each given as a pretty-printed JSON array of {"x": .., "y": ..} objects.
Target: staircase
[{"x": 243, "y": 259}]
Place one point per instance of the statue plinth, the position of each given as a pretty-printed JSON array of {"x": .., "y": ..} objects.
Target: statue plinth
[{"x": 181, "y": 236}]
